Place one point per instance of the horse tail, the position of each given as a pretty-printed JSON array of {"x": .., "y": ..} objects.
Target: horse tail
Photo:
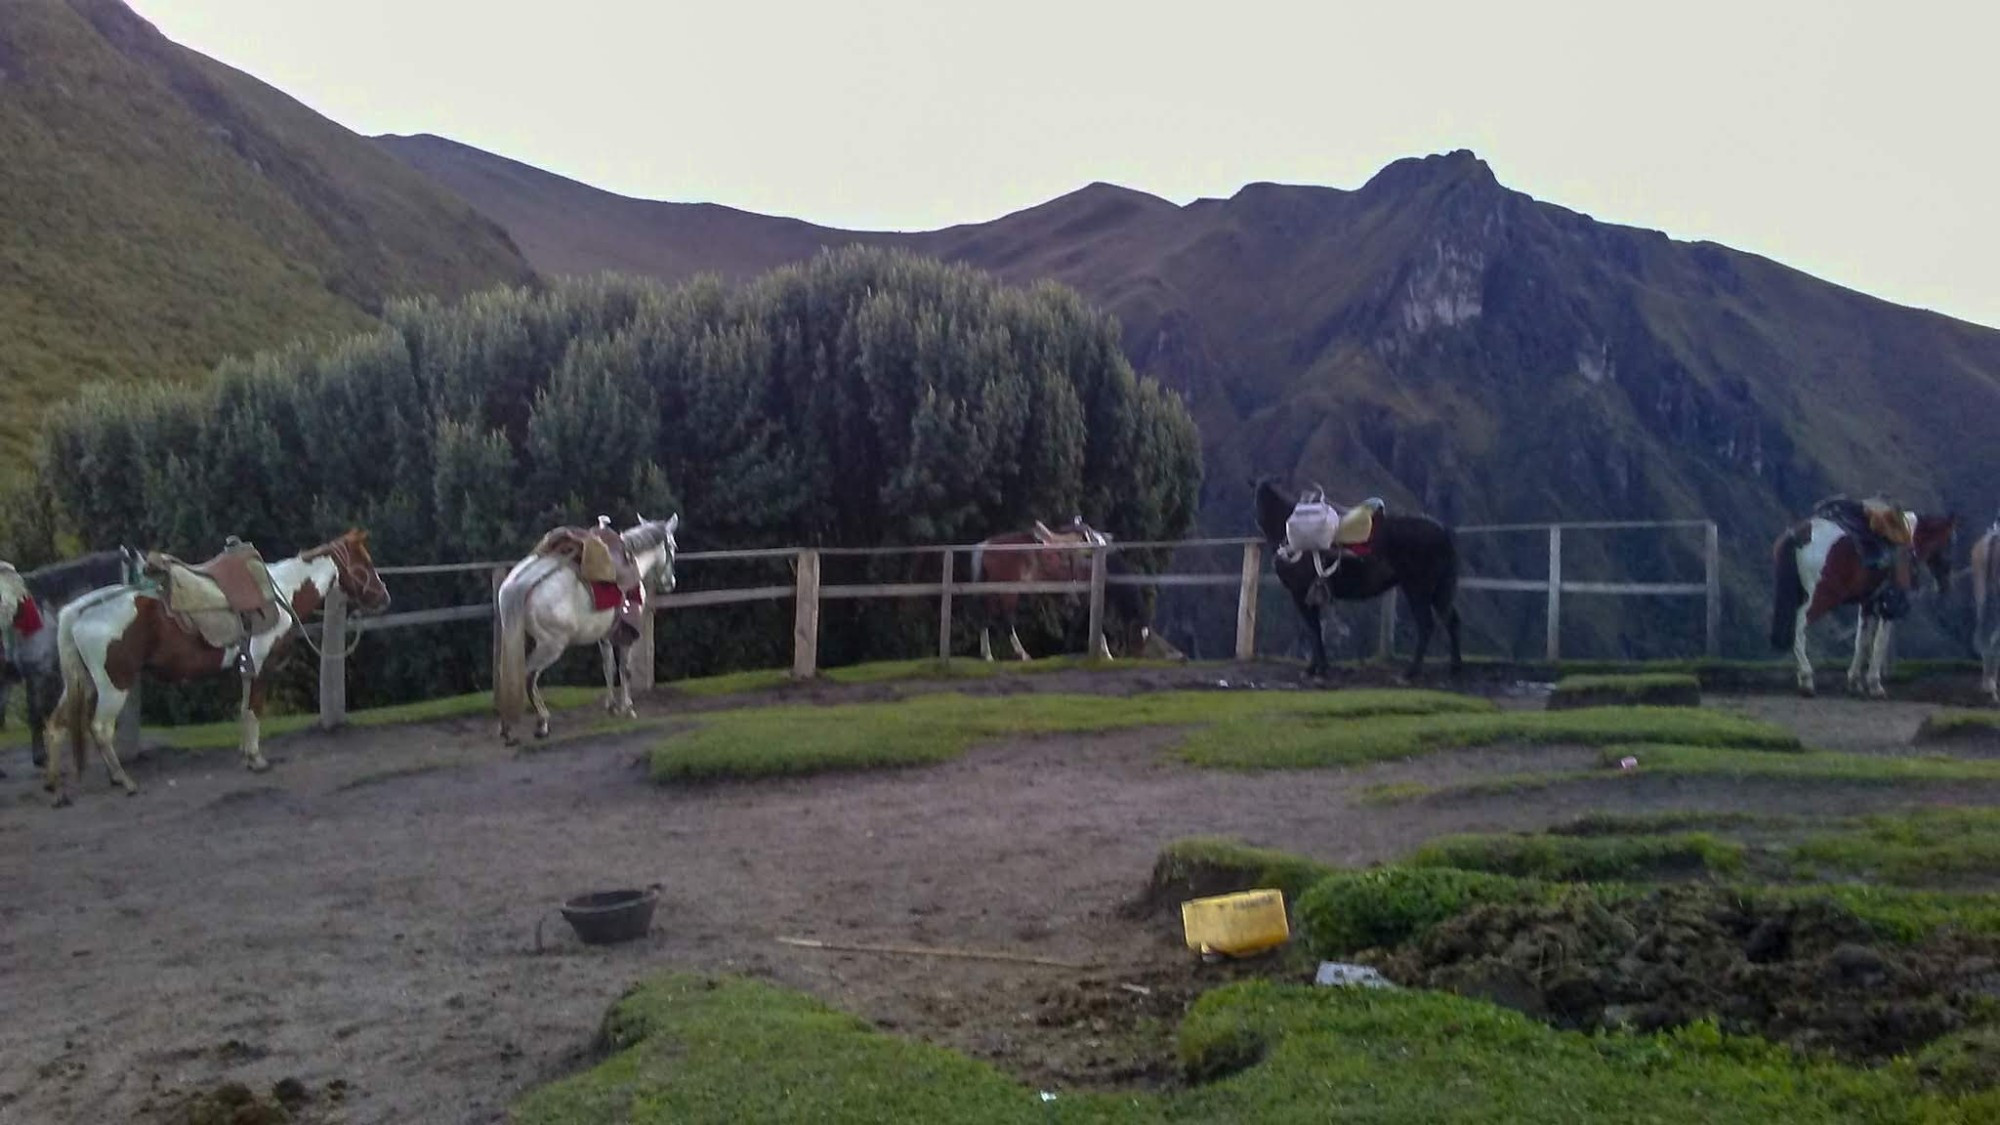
[
  {"x": 72, "y": 714},
  {"x": 510, "y": 665},
  {"x": 1788, "y": 592}
]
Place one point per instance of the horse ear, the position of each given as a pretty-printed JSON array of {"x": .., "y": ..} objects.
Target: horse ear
[{"x": 673, "y": 523}]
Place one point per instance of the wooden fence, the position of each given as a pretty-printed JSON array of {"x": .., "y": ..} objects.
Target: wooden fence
[{"x": 807, "y": 592}]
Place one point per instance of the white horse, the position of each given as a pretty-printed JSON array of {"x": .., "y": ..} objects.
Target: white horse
[
  {"x": 544, "y": 596},
  {"x": 1986, "y": 609},
  {"x": 107, "y": 638}
]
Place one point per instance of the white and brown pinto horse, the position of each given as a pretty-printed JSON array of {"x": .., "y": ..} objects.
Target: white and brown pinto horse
[
  {"x": 107, "y": 638},
  {"x": 1819, "y": 568},
  {"x": 1986, "y": 609}
]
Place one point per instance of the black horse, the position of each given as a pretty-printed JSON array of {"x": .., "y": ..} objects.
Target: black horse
[
  {"x": 33, "y": 661},
  {"x": 1411, "y": 551}
]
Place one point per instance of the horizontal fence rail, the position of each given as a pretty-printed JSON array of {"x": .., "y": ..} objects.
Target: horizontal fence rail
[{"x": 333, "y": 635}]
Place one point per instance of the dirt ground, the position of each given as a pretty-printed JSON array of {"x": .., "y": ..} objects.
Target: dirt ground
[{"x": 363, "y": 918}]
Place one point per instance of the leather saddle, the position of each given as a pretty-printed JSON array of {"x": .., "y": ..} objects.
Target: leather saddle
[
  {"x": 224, "y": 601},
  {"x": 601, "y": 558},
  {"x": 1877, "y": 527}
]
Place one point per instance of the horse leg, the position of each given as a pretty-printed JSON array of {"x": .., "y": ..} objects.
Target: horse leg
[
  {"x": 1451, "y": 631},
  {"x": 251, "y": 711},
  {"x": 625, "y": 654},
  {"x": 609, "y": 653},
  {"x": 1884, "y": 628},
  {"x": 1864, "y": 625},
  {"x": 104, "y": 732},
  {"x": 547, "y": 652},
  {"x": 1425, "y": 620},
  {"x": 1317, "y": 669},
  {"x": 1805, "y": 668},
  {"x": 1991, "y": 665}
]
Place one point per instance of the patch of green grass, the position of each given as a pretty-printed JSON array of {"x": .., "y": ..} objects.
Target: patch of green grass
[
  {"x": 1198, "y": 866},
  {"x": 1276, "y": 1053},
  {"x": 1949, "y": 724},
  {"x": 799, "y": 739},
  {"x": 1911, "y": 847},
  {"x": 1329, "y": 1054},
  {"x": 893, "y": 671},
  {"x": 1813, "y": 766},
  {"x": 1583, "y": 857},
  {"x": 1655, "y": 689},
  {"x": 1305, "y": 744}
]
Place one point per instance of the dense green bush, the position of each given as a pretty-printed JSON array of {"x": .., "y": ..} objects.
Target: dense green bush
[
  {"x": 1356, "y": 910},
  {"x": 865, "y": 398}
]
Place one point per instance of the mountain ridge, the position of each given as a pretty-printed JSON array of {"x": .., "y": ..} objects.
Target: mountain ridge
[{"x": 1452, "y": 344}]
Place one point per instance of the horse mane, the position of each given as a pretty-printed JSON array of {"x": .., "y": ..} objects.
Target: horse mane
[{"x": 645, "y": 536}]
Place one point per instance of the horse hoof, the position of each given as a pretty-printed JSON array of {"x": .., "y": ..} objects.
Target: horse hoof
[
  {"x": 541, "y": 732},
  {"x": 258, "y": 765},
  {"x": 61, "y": 802}
]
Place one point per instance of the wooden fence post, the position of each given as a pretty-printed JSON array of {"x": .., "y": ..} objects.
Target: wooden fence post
[
  {"x": 805, "y": 619},
  {"x": 1713, "y": 552},
  {"x": 1095, "y": 639},
  {"x": 1555, "y": 593},
  {"x": 944, "y": 608},
  {"x": 1247, "y": 593},
  {"x": 642, "y": 659},
  {"x": 1385, "y": 646},
  {"x": 499, "y": 576},
  {"x": 333, "y": 661}
]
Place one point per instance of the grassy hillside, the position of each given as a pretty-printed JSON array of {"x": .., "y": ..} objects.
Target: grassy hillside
[{"x": 159, "y": 210}]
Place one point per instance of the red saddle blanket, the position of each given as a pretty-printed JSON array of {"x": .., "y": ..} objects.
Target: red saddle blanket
[
  {"x": 28, "y": 618},
  {"x": 607, "y": 595}
]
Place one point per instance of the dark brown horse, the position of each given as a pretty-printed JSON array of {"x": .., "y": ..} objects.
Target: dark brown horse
[
  {"x": 1414, "y": 552},
  {"x": 106, "y": 639},
  {"x": 1019, "y": 561},
  {"x": 1818, "y": 568}
]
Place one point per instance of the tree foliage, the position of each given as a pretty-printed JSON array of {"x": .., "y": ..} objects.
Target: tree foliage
[{"x": 864, "y": 398}]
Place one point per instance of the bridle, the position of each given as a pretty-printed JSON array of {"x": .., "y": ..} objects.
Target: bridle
[{"x": 342, "y": 554}]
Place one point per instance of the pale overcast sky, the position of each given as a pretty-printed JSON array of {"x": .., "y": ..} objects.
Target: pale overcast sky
[{"x": 1855, "y": 141}]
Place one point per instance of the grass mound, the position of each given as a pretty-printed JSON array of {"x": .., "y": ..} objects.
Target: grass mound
[
  {"x": 1296, "y": 745},
  {"x": 1200, "y": 866},
  {"x": 1979, "y": 726},
  {"x": 1920, "y": 847},
  {"x": 1266, "y": 1052},
  {"x": 1585, "y": 857},
  {"x": 1656, "y": 689},
  {"x": 803, "y": 739}
]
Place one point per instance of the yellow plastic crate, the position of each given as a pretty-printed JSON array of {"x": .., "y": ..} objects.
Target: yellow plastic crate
[{"x": 1236, "y": 925}]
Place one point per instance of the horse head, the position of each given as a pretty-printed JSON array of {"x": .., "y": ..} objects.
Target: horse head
[
  {"x": 354, "y": 570},
  {"x": 1931, "y": 538},
  {"x": 652, "y": 543},
  {"x": 1274, "y": 508}
]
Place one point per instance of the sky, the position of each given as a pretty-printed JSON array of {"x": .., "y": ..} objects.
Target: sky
[{"x": 1854, "y": 141}]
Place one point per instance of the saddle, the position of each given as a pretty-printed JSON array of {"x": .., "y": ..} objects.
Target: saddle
[
  {"x": 19, "y": 615},
  {"x": 1878, "y": 528},
  {"x": 601, "y": 558},
  {"x": 1320, "y": 527},
  {"x": 224, "y": 601}
]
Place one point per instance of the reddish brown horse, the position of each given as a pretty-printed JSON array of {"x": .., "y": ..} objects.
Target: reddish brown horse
[
  {"x": 1015, "y": 562},
  {"x": 1819, "y": 568},
  {"x": 106, "y": 638}
]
